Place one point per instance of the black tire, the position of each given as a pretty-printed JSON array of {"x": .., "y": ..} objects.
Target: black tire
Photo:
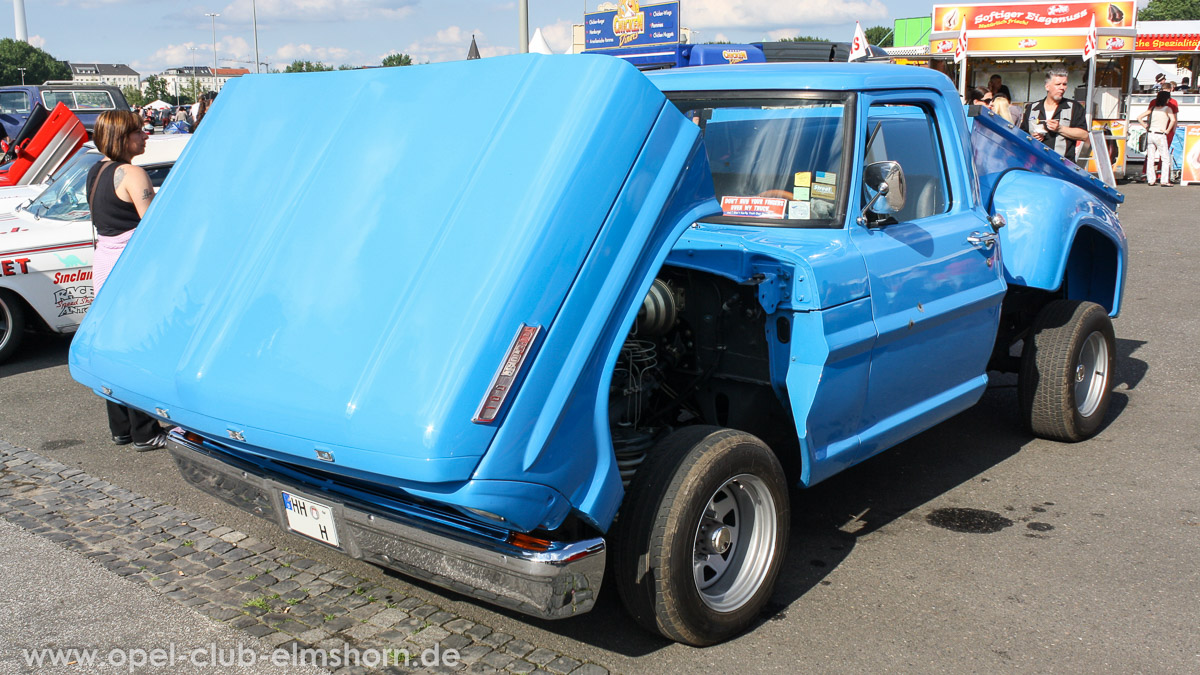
[
  {"x": 12, "y": 323},
  {"x": 1066, "y": 379},
  {"x": 657, "y": 540}
]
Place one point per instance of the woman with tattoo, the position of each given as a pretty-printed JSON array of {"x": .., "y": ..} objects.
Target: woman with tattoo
[{"x": 119, "y": 194}]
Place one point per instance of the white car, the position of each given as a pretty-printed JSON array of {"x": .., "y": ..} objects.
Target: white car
[{"x": 47, "y": 242}]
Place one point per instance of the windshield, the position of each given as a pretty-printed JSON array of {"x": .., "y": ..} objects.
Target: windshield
[
  {"x": 775, "y": 161},
  {"x": 66, "y": 197}
]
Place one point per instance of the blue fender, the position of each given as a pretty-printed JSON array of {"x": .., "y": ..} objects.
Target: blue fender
[{"x": 1057, "y": 230}]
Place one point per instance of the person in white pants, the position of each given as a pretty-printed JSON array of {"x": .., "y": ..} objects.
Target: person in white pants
[{"x": 1159, "y": 119}]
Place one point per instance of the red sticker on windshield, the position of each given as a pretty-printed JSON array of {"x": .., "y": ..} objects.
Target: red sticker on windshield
[{"x": 754, "y": 207}]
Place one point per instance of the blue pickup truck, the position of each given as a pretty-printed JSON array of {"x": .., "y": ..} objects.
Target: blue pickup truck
[{"x": 556, "y": 316}]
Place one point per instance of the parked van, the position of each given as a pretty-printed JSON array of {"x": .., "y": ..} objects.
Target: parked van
[{"x": 87, "y": 101}]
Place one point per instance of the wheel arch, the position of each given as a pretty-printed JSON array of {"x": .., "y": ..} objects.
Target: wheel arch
[{"x": 1085, "y": 246}]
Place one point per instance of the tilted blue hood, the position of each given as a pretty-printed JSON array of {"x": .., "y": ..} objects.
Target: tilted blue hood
[{"x": 340, "y": 261}]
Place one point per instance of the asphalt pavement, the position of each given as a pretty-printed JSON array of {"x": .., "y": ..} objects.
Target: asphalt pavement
[{"x": 970, "y": 548}]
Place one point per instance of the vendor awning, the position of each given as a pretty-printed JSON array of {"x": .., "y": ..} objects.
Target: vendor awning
[{"x": 1168, "y": 36}]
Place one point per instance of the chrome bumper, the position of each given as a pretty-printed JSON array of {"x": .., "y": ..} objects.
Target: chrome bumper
[{"x": 428, "y": 544}]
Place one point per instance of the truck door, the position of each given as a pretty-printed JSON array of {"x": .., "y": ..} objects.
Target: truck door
[{"x": 935, "y": 279}]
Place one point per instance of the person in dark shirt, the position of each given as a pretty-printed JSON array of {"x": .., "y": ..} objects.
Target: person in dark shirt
[
  {"x": 998, "y": 88},
  {"x": 1056, "y": 121},
  {"x": 119, "y": 194}
]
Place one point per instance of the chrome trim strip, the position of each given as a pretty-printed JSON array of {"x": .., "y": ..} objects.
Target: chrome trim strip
[{"x": 554, "y": 584}]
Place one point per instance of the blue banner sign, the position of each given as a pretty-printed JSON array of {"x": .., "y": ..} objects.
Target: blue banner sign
[{"x": 632, "y": 25}]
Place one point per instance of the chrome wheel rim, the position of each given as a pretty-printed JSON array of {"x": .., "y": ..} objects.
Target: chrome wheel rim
[
  {"x": 734, "y": 543},
  {"x": 1091, "y": 374}
]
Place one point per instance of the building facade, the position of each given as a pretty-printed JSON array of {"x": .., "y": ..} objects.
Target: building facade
[
  {"x": 179, "y": 80},
  {"x": 116, "y": 74}
]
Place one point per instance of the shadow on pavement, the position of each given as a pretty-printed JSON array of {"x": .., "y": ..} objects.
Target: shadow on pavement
[{"x": 37, "y": 351}]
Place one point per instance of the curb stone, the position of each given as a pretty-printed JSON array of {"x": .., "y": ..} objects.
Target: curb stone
[{"x": 214, "y": 570}]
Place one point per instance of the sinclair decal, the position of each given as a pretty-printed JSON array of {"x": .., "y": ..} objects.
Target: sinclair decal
[
  {"x": 1034, "y": 15},
  {"x": 632, "y": 24}
]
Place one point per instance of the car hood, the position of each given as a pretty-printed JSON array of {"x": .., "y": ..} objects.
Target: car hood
[
  {"x": 12, "y": 197},
  {"x": 346, "y": 273},
  {"x": 20, "y": 232}
]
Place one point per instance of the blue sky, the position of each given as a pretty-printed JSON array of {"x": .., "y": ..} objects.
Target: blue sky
[{"x": 151, "y": 35}]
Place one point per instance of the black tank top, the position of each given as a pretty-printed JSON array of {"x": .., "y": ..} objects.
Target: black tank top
[{"x": 110, "y": 214}]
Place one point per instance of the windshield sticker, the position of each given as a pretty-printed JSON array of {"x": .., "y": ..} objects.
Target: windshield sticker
[
  {"x": 753, "y": 207},
  {"x": 803, "y": 178},
  {"x": 801, "y": 193},
  {"x": 823, "y": 191},
  {"x": 827, "y": 177},
  {"x": 799, "y": 211},
  {"x": 73, "y": 299}
]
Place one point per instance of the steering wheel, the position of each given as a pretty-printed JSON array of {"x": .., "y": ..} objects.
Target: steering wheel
[{"x": 775, "y": 194}]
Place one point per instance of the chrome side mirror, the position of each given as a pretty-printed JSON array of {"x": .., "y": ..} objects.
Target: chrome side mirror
[{"x": 884, "y": 179}]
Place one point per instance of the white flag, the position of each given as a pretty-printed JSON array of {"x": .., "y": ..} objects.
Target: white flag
[
  {"x": 858, "y": 47},
  {"x": 960, "y": 52},
  {"x": 1089, "y": 44}
]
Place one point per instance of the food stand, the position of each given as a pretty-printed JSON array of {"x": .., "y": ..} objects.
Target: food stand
[
  {"x": 1022, "y": 41},
  {"x": 1176, "y": 46}
]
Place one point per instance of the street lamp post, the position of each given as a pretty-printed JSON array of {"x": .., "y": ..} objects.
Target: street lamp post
[
  {"x": 214, "y": 16},
  {"x": 254, "y": 16},
  {"x": 195, "y": 89},
  {"x": 22, "y": 75}
]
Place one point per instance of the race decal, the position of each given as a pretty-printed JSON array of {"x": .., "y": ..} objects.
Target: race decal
[
  {"x": 72, "y": 277},
  {"x": 15, "y": 266},
  {"x": 74, "y": 299}
]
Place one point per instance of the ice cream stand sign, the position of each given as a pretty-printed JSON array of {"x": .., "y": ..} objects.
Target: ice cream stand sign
[{"x": 1039, "y": 16}]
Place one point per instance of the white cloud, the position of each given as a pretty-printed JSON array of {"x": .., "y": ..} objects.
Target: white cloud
[
  {"x": 769, "y": 16},
  {"x": 313, "y": 11},
  {"x": 558, "y": 35},
  {"x": 306, "y": 52},
  {"x": 37, "y": 41},
  {"x": 229, "y": 49},
  {"x": 451, "y": 44}
]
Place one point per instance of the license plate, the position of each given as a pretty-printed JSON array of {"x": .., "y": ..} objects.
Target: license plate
[{"x": 312, "y": 519}]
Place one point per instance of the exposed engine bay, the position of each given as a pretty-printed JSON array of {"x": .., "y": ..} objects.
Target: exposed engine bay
[{"x": 697, "y": 354}]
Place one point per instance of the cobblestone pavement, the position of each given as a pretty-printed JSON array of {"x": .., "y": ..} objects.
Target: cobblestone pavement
[{"x": 286, "y": 600}]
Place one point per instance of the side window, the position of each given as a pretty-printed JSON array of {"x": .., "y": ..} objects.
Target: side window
[
  {"x": 53, "y": 98},
  {"x": 907, "y": 133},
  {"x": 94, "y": 100},
  {"x": 14, "y": 102}
]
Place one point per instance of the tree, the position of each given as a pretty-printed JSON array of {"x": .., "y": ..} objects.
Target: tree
[
  {"x": 134, "y": 95},
  {"x": 156, "y": 89},
  {"x": 306, "y": 67},
  {"x": 880, "y": 36},
  {"x": 39, "y": 66},
  {"x": 804, "y": 38},
  {"x": 396, "y": 60},
  {"x": 1170, "y": 10}
]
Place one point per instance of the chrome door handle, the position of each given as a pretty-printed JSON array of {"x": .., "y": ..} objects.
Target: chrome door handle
[{"x": 982, "y": 239}]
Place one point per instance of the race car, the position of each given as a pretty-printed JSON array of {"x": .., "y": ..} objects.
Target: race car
[{"x": 46, "y": 247}]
